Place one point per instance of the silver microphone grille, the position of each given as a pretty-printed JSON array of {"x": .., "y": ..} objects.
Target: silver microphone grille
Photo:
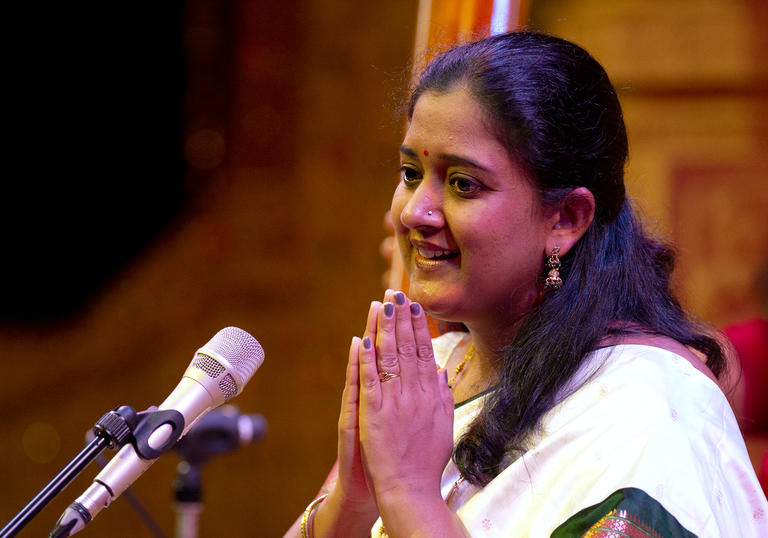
[{"x": 241, "y": 349}]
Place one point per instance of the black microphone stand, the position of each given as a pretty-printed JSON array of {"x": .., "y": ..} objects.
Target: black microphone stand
[
  {"x": 55, "y": 486},
  {"x": 112, "y": 430},
  {"x": 216, "y": 433},
  {"x": 188, "y": 497}
]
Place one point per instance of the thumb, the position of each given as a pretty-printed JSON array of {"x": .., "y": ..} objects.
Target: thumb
[{"x": 446, "y": 397}]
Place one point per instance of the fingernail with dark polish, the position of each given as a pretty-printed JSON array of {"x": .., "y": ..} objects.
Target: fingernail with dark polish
[
  {"x": 415, "y": 309},
  {"x": 400, "y": 298},
  {"x": 389, "y": 309},
  {"x": 367, "y": 342}
]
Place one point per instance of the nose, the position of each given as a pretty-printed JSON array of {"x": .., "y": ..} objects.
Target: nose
[{"x": 424, "y": 208}]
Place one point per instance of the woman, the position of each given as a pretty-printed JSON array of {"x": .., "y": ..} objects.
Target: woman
[{"x": 584, "y": 394}]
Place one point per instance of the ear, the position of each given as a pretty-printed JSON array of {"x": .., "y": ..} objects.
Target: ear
[{"x": 570, "y": 220}]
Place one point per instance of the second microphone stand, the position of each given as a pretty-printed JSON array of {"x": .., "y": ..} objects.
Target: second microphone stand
[{"x": 218, "y": 432}]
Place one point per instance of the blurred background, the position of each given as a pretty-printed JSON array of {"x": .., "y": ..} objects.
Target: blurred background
[{"x": 177, "y": 167}]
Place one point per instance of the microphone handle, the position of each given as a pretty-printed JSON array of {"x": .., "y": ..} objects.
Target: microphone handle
[{"x": 192, "y": 400}]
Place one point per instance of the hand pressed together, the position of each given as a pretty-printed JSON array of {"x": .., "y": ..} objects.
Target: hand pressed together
[
  {"x": 395, "y": 429},
  {"x": 352, "y": 483},
  {"x": 405, "y": 407}
]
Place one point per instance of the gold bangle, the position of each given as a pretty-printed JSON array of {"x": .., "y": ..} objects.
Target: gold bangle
[{"x": 305, "y": 530}]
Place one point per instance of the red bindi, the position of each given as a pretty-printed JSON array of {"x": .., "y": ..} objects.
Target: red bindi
[{"x": 426, "y": 153}]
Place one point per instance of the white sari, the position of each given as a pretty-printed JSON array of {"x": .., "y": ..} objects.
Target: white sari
[{"x": 643, "y": 418}]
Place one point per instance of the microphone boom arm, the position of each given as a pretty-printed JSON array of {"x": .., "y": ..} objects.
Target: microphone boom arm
[{"x": 113, "y": 430}]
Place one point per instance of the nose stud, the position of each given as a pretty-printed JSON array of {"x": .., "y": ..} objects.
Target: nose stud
[{"x": 429, "y": 212}]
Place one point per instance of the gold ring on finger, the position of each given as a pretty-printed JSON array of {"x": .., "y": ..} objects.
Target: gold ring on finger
[{"x": 387, "y": 376}]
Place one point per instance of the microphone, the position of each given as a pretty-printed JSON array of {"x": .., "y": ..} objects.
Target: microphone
[
  {"x": 223, "y": 430},
  {"x": 218, "y": 372}
]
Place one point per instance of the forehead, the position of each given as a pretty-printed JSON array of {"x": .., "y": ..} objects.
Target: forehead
[{"x": 449, "y": 122}]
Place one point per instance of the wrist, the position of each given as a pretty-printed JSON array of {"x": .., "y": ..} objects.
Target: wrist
[
  {"x": 338, "y": 515},
  {"x": 307, "y": 519},
  {"x": 405, "y": 494},
  {"x": 414, "y": 510},
  {"x": 350, "y": 504}
]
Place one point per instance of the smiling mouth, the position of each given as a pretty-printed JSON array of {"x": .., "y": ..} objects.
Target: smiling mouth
[{"x": 437, "y": 255}]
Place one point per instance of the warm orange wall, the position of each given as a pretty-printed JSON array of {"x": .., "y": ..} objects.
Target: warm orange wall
[{"x": 281, "y": 240}]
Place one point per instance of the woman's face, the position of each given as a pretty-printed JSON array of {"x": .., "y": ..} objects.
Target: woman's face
[{"x": 469, "y": 224}]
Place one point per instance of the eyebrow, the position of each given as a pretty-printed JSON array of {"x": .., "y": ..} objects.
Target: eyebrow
[{"x": 450, "y": 157}]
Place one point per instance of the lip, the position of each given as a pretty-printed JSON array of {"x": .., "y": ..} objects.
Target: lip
[{"x": 430, "y": 256}]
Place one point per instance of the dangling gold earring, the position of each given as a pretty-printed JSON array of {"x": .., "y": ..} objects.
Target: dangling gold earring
[{"x": 553, "y": 281}]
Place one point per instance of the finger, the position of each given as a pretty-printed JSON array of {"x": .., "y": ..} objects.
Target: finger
[
  {"x": 389, "y": 295},
  {"x": 373, "y": 323},
  {"x": 405, "y": 343},
  {"x": 386, "y": 347},
  {"x": 425, "y": 362},
  {"x": 349, "y": 398},
  {"x": 446, "y": 396},
  {"x": 372, "y": 320},
  {"x": 352, "y": 387},
  {"x": 370, "y": 386}
]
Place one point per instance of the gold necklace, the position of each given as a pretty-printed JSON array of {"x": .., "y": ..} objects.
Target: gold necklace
[
  {"x": 460, "y": 367},
  {"x": 454, "y": 490}
]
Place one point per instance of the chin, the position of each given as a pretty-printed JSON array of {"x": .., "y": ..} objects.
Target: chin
[{"x": 439, "y": 304}]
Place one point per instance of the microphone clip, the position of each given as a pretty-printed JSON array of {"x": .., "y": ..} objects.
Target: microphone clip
[
  {"x": 151, "y": 432},
  {"x": 157, "y": 432}
]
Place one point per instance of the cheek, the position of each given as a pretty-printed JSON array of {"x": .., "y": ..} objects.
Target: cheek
[
  {"x": 523, "y": 253},
  {"x": 502, "y": 242}
]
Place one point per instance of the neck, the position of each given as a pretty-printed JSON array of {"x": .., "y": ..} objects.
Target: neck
[
  {"x": 489, "y": 341},
  {"x": 491, "y": 333},
  {"x": 480, "y": 370}
]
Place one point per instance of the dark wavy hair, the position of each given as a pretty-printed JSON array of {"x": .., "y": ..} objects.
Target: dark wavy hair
[{"x": 556, "y": 111}]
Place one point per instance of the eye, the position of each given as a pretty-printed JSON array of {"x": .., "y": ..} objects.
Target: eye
[
  {"x": 409, "y": 175},
  {"x": 464, "y": 186}
]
